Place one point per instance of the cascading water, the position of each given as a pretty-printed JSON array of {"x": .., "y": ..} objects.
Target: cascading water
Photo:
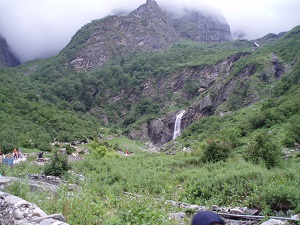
[{"x": 177, "y": 129}]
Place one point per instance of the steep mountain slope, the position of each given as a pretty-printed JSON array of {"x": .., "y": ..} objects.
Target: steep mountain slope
[
  {"x": 236, "y": 82},
  {"x": 200, "y": 26},
  {"x": 7, "y": 58},
  {"x": 145, "y": 29}
]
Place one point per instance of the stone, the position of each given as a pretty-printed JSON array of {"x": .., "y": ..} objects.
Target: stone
[
  {"x": 22, "y": 203},
  {"x": 11, "y": 199},
  {"x": 38, "y": 212},
  {"x": 72, "y": 187},
  {"x": 273, "y": 222},
  {"x": 216, "y": 208},
  {"x": 177, "y": 216},
  {"x": 236, "y": 211},
  {"x": 18, "y": 214},
  {"x": 253, "y": 211},
  {"x": 58, "y": 217},
  {"x": 47, "y": 222},
  {"x": 194, "y": 207},
  {"x": 23, "y": 222}
]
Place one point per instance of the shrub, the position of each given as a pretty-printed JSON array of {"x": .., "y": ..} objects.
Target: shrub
[
  {"x": 262, "y": 149},
  {"x": 58, "y": 166},
  {"x": 101, "y": 149},
  {"x": 215, "y": 151},
  {"x": 69, "y": 149},
  {"x": 280, "y": 197}
]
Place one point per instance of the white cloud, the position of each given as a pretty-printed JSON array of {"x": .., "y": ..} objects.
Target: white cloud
[{"x": 40, "y": 28}]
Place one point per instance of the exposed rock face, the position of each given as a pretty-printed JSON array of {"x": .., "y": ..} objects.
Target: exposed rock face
[
  {"x": 200, "y": 27},
  {"x": 147, "y": 28},
  {"x": 214, "y": 88},
  {"x": 213, "y": 91},
  {"x": 7, "y": 59}
]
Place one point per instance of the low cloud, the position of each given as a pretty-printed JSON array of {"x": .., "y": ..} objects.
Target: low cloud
[{"x": 39, "y": 29}]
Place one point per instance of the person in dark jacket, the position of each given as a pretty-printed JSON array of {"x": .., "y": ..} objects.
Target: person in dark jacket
[{"x": 207, "y": 218}]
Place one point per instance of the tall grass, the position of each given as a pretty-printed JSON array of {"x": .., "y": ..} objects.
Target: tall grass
[{"x": 133, "y": 190}]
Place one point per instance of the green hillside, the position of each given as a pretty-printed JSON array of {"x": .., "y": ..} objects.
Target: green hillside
[
  {"x": 243, "y": 153},
  {"x": 31, "y": 121}
]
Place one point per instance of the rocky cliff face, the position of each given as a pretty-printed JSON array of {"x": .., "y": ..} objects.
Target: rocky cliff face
[
  {"x": 147, "y": 28},
  {"x": 214, "y": 88},
  {"x": 201, "y": 27},
  {"x": 7, "y": 59}
]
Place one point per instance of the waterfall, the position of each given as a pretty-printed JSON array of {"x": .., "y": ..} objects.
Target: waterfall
[{"x": 177, "y": 130}]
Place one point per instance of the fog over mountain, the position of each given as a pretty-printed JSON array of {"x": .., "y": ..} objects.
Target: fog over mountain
[{"x": 39, "y": 29}]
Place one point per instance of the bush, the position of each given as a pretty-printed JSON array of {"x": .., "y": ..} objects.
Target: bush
[
  {"x": 101, "y": 149},
  {"x": 58, "y": 166},
  {"x": 69, "y": 149},
  {"x": 262, "y": 149},
  {"x": 214, "y": 151},
  {"x": 280, "y": 197}
]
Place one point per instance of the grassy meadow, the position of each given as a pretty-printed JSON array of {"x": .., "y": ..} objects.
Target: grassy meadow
[{"x": 134, "y": 189}]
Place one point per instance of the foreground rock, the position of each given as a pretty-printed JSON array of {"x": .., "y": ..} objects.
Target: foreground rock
[{"x": 15, "y": 211}]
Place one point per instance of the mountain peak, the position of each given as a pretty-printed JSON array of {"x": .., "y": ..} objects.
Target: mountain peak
[
  {"x": 149, "y": 7},
  {"x": 7, "y": 58},
  {"x": 147, "y": 28}
]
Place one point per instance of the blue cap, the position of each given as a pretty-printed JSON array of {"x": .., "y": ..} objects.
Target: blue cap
[{"x": 206, "y": 218}]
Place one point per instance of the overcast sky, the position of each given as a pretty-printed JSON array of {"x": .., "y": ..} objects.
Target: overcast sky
[{"x": 41, "y": 28}]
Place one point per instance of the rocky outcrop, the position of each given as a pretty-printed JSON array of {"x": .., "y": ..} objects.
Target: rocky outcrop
[
  {"x": 7, "y": 58},
  {"x": 14, "y": 210},
  {"x": 147, "y": 28},
  {"x": 213, "y": 90},
  {"x": 201, "y": 27},
  {"x": 215, "y": 86}
]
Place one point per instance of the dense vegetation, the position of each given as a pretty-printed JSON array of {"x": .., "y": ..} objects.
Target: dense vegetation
[
  {"x": 28, "y": 120},
  {"x": 134, "y": 189},
  {"x": 48, "y": 97},
  {"x": 247, "y": 157}
]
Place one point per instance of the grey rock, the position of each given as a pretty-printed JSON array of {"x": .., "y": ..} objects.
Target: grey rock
[
  {"x": 47, "y": 222},
  {"x": 7, "y": 58},
  {"x": 177, "y": 216},
  {"x": 236, "y": 211},
  {"x": 38, "y": 212},
  {"x": 273, "y": 222},
  {"x": 18, "y": 214},
  {"x": 58, "y": 217},
  {"x": 23, "y": 222},
  {"x": 253, "y": 211}
]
